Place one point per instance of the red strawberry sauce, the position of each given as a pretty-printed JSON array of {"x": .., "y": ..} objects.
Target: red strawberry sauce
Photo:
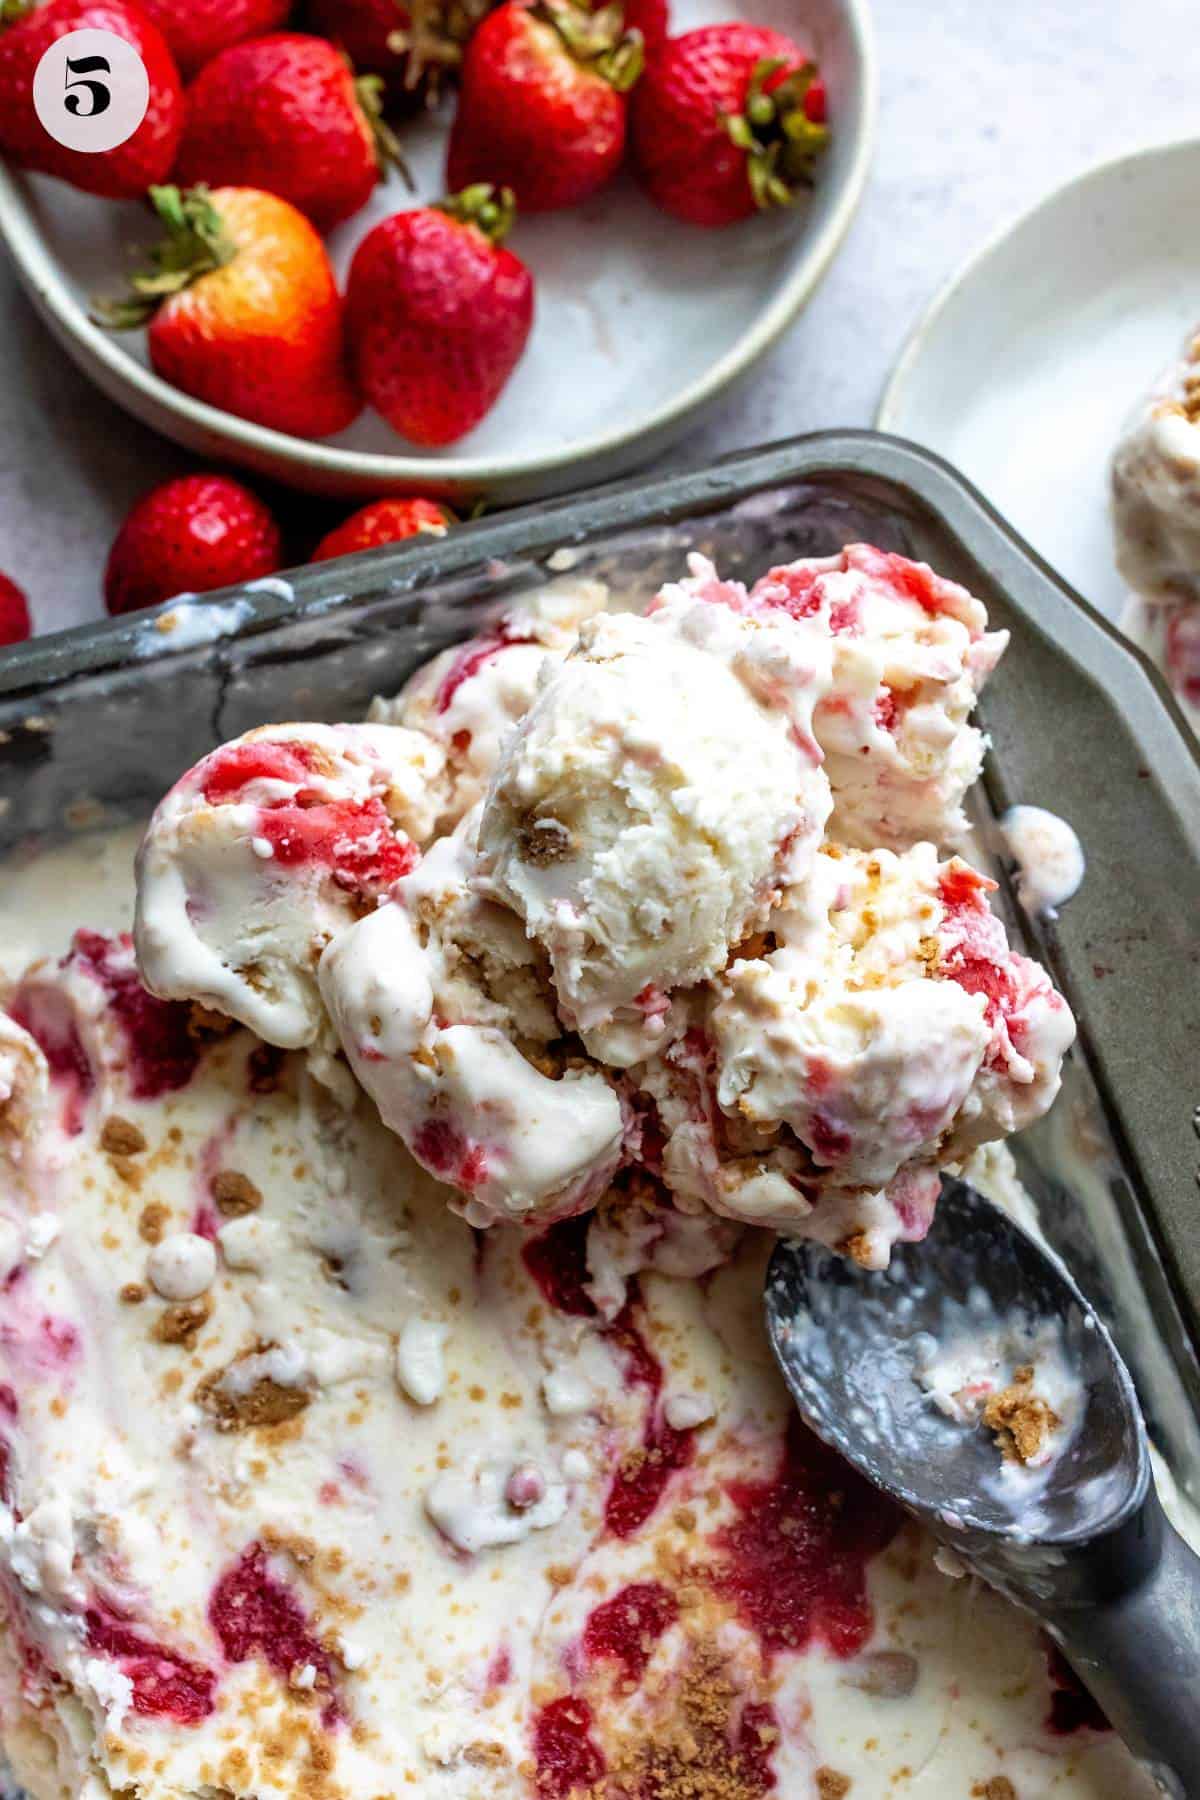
[
  {"x": 473, "y": 656},
  {"x": 568, "y": 1762},
  {"x": 254, "y": 1614},
  {"x": 450, "y": 1156},
  {"x": 793, "y": 1563},
  {"x": 162, "y": 1052},
  {"x": 625, "y": 1629},
  {"x": 165, "y": 1684}
]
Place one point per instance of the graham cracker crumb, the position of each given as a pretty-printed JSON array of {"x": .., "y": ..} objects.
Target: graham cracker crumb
[
  {"x": 235, "y": 1194},
  {"x": 268, "y": 1402},
  {"x": 1020, "y": 1418},
  {"x": 204, "y": 1023},
  {"x": 182, "y": 1323},
  {"x": 132, "y": 1294},
  {"x": 154, "y": 1216},
  {"x": 699, "y": 1752},
  {"x": 831, "y": 1784},
  {"x": 857, "y": 1247},
  {"x": 998, "y": 1787},
  {"x": 544, "y": 840},
  {"x": 121, "y": 1137}
]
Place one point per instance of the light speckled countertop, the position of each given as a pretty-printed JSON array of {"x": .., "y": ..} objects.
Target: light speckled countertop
[{"x": 986, "y": 105}]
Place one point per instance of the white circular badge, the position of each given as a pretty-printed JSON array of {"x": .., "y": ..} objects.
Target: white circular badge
[{"x": 91, "y": 90}]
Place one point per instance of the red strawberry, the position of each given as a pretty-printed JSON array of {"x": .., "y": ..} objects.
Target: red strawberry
[
  {"x": 384, "y": 522},
  {"x": 187, "y": 537},
  {"x": 120, "y": 174},
  {"x": 15, "y": 625},
  {"x": 243, "y": 310},
  {"x": 728, "y": 119},
  {"x": 437, "y": 314},
  {"x": 196, "y": 29},
  {"x": 414, "y": 47},
  {"x": 285, "y": 114},
  {"x": 652, "y": 18},
  {"x": 542, "y": 109}
]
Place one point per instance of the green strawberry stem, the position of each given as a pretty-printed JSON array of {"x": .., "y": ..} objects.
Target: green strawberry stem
[
  {"x": 194, "y": 244},
  {"x": 13, "y": 11},
  {"x": 781, "y": 142},
  {"x": 388, "y": 154},
  {"x": 597, "y": 40},
  {"x": 491, "y": 210}
]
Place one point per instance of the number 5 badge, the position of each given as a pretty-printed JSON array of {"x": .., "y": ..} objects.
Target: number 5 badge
[{"x": 91, "y": 90}]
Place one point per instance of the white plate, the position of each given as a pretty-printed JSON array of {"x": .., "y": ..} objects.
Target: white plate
[
  {"x": 642, "y": 322},
  {"x": 1025, "y": 367}
]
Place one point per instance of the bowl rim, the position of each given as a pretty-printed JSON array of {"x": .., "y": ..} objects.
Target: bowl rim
[
  {"x": 142, "y": 391},
  {"x": 889, "y": 413}
]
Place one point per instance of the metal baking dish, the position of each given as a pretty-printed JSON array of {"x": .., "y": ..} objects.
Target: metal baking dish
[{"x": 96, "y": 723}]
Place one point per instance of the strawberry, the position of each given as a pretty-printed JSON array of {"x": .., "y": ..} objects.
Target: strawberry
[
  {"x": 143, "y": 159},
  {"x": 15, "y": 624},
  {"x": 437, "y": 314},
  {"x": 190, "y": 535},
  {"x": 243, "y": 310},
  {"x": 542, "y": 108},
  {"x": 652, "y": 19},
  {"x": 285, "y": 114},
  {"x": 196, "y": 29},
  {"x": 413, "y": 44},
  {"x": 384, "y": 522},
  {"x": 728, "y": 119}
]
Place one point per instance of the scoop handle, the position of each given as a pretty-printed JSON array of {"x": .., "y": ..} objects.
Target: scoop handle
[{"x": 1138, "y": 1652}]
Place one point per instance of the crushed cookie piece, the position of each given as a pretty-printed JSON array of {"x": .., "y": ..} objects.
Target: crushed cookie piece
[
  {"x": 1019, "y": 1418},
  {"x": 544, "y": 840},
  {"x": 153, "y": 1219},
  {"x": 234, "y": 1194},
  {"x": 205, "y": 1024},
  {"x": 857, "y": 1247},
  {"x": 997, "y": 1787},
  {"x": 716, "y": 1745},
  {"x": 132, "y": 1294},
  {"x": 182, "y": 1323},
  {"x": 831, "y": 1783},
  {"x": 485, "y": 1755},
  {"x": 121, "y": 1137},
  {"x": 267, "y": 1402}
]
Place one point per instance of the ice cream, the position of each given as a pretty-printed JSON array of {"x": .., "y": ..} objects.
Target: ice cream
[
  {"x": 888, "y": 1033},
  {"x": 471, "y": 697},
  {"x": 446, "y": 1014},
  {"x": 910, "y": 653},
  {"x": 1048, "y": 857},
  {"x": 653, "y": 802},
  {"x": 309, "y": 1488},
  {"x": 1155, "y": 479},
  {"x": 264, "y": 851}
]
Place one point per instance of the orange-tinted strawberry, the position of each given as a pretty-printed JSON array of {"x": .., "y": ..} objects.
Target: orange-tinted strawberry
[
  {"x": 243, "y": 311},
  {"x": 196, "y": 29},
  {"x": 727, "y": 120},
  {"x": 415, "y": 47},
  {"x": 384, "y": 522},
  {"x": 437, "y": 315},
  {"x": 190, "y": 535},
  {"x": 542, "y": 107},
  {"x": 143, "y": 159},
  {"x": 15, "y": 623},
  {"x": 284, "y": 113}
]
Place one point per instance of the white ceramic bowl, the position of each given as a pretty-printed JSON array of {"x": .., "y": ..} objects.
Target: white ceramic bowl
[
  {"x": 642, "y": 323},
  {"x": 1027, "y": 364}
]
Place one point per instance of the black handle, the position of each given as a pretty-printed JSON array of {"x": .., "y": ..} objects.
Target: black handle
[{"x": 1138, "y": 1652}]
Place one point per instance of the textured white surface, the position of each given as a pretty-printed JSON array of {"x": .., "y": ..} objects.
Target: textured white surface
[{"x": 985, "y": 105}]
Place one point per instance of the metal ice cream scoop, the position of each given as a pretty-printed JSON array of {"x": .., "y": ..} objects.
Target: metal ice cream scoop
[{"x": 1083, "y": 1544}]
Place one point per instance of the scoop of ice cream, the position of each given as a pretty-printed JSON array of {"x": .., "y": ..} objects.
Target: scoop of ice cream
[
  {"x": 1156, "y": 486},
  {"x": 444, "y": 1009},
  {"x": 264, "y": 850},
  {"x": 651, "y": 806},
  {"x": 890, "y": 1031},
  {"x": 1170, "y": 635},
  {"x": 910, "y": 653},
  {"x": 24, "y": 1086},
  {"x": 470, "y": 697}
]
